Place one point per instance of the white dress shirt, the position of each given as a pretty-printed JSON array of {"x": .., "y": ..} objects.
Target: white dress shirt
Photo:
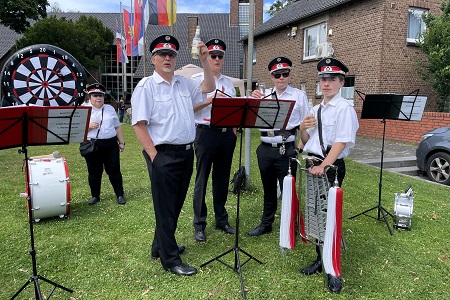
[{"x": 167, "y": 108}]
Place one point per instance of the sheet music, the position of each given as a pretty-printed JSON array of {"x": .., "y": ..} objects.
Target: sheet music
[
  {"x": 267, "y": 112},
  {"x": 407, "y": 108},
  {"x": 59, "y": 122}
]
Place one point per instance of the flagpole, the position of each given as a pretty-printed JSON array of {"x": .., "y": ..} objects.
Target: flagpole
[
  {"x": 171, "y": 15},
  {"x": 132, "y": 43},
  {"x": 124, "y": 85},
  {"x": 144, "y": 28}
]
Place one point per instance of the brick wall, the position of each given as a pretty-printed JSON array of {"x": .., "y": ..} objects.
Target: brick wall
[
  {"x": 368, "y": 36},
  {"x": 404, "y": 131}
]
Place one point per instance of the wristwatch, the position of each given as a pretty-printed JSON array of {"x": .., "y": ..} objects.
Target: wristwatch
[{"x": 122, "y": 143}]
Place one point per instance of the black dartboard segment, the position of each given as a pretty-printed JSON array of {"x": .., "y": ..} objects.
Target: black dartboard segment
[{"x": 43, "y": 75}]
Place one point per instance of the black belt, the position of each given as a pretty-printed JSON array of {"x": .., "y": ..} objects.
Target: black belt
[
  {"x": 321, "y": 157},
  {"x": 183, "y": 147},
  {"x": 276, "y": 145},
  {"x": 278, "y": 132},
  {"x": 206, "y": 126}
]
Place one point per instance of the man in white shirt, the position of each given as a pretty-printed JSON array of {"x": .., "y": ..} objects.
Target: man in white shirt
[
  {"x": 163, "y": 119},
  {"x": 277, "y": 145},
  {"x": 329, "y": 134},
  {"x": 214, "y": 148}
]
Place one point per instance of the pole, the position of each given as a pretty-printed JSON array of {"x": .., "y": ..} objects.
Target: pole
[
  {"x": 248, "y": 131},
  {"x": 171, "y": 17}
]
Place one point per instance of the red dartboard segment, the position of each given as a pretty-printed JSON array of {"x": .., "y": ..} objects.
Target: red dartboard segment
[{"x": 43, "y": 75}]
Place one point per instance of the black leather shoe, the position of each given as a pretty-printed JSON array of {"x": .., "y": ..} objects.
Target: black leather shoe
[
  {"x": 200, "y": 236},
  {"x": 334, "y": 284},
  {"x": 227, "y": 229},
  {"x": 94, "y": 200},
  {"x": 155, "y": 253},
  {"x": 121, "y": 200},
  {"x": 315, "y": 267},
  {"x": 183, "y": 269},
  {"x": 260, "y": 230}
]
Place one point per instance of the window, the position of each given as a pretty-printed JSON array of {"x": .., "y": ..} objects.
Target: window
[
  {"x": 348, "y": 90},
  {"x": 313, "y": 36},
  {"x": 303, "y": 86},
  {"x": 415, "y": 24},
  {"x": 318, "y": 90}
]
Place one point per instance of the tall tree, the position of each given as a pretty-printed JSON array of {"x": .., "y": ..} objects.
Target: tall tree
[
  {"x": 86, "y": 39},
  {"x": 279, "y": 5},
  {"x": 16, "y": 14},
  {"x": 435, "y": 43}
]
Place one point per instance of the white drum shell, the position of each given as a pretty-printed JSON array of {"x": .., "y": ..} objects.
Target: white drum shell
[{"x": 49, "y": 187}]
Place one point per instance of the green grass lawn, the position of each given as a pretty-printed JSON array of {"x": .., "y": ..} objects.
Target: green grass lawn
[{"x": 102, "y": 252}]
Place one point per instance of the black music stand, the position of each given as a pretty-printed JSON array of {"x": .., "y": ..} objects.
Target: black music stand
[
  {"x": 393, "y": 107},
  {"x": 29, "y": 120},
  {"x": 245, "y": 113}
]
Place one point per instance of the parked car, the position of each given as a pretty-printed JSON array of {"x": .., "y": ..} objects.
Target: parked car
[{"x": 433, "y": 155}]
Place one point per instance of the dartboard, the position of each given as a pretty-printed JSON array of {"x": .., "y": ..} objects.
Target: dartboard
[{"x": 43, "y": 75}]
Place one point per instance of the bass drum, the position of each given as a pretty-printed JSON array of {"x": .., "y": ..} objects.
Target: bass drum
[{"x": 49, "y": 188}]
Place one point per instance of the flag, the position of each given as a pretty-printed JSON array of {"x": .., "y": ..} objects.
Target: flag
[
  {"x": 163, "y": 12},
  {"x": 129, "y": 32},
  {"x": 333, "y": 233},
  {"x": 120, "y": 43},
  {"x": 141, "y": 18}
]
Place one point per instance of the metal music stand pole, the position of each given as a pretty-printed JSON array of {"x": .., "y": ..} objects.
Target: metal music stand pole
[
  {"x": 236, "y": 249},
  {"x": 35, "y": 277}
]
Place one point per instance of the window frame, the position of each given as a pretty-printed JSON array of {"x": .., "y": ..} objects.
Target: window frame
[
  {"x": 308, "y": 51},
  {"x": 411, "y": 11}
]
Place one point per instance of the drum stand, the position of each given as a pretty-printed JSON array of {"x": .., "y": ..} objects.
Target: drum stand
[
  {"x": 236, "y": 249},
  {"x": 35, "y": 277}
]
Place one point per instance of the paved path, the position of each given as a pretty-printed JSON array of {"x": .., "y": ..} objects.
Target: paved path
[{"x": 370, "y": 148}]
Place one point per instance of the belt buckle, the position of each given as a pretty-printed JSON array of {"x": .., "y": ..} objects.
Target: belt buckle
[
  {"x": 224, "y": 130},
  {"x": 271, "y": 133},
  {"x": 274, "y": 145},
  {"x": 188, "y": 146}
]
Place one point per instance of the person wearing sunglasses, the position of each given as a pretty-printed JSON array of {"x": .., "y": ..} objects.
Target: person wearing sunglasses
[
  {"x": 214, "y": 148},
  {"x": 163, "y": 120},
  {"x": 329, "y": 134},
  {"x": 278, "y": 145}
]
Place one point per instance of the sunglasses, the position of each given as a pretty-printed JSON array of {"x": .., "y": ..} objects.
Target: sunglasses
[
  {"x": 216, "y": 56},
  {"x": 165, "y": 53},
  {"x": 278, "y": 75}
]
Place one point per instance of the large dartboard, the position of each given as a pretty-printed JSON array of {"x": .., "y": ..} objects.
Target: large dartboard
[{"x": 43, "y": 75}]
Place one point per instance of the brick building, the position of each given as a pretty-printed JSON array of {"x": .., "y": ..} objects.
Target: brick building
[{"x": 376, "y": 39}]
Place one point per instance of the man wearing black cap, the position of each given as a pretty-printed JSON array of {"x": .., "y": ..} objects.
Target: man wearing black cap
[
  {"x": 277, "y": 145},
  {"x": 329, "y": 134},
  {"x": 214, "y": 149},
  {"x": 163, "y": 119}
]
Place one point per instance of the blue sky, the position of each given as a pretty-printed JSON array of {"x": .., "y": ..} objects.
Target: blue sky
[{"x": 183, "y": 6}]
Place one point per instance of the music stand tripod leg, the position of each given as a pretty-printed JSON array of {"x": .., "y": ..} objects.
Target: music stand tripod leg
[
  {"x": 35, "y": 277},
  {"x": 237, "y": 263}
]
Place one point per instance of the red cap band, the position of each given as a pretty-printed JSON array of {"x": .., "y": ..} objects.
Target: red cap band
[
  {"x": 280, "y": 66},
  {"x": 331, "y": 69},
  {"x": 162, "y": 46}
]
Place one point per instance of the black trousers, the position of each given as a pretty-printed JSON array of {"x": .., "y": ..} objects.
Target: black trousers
[
  {"x": 214, "y": 150},
  {"x": 273, "y": 167},
  {"x": 107, "y": 158},
  {"x": 170, "y": 174}
]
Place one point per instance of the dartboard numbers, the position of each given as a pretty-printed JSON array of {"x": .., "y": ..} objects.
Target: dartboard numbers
[{"x": 43, "y": 75}]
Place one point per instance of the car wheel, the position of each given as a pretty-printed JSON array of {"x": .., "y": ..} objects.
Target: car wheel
[{"x": 438, "y": 168}]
